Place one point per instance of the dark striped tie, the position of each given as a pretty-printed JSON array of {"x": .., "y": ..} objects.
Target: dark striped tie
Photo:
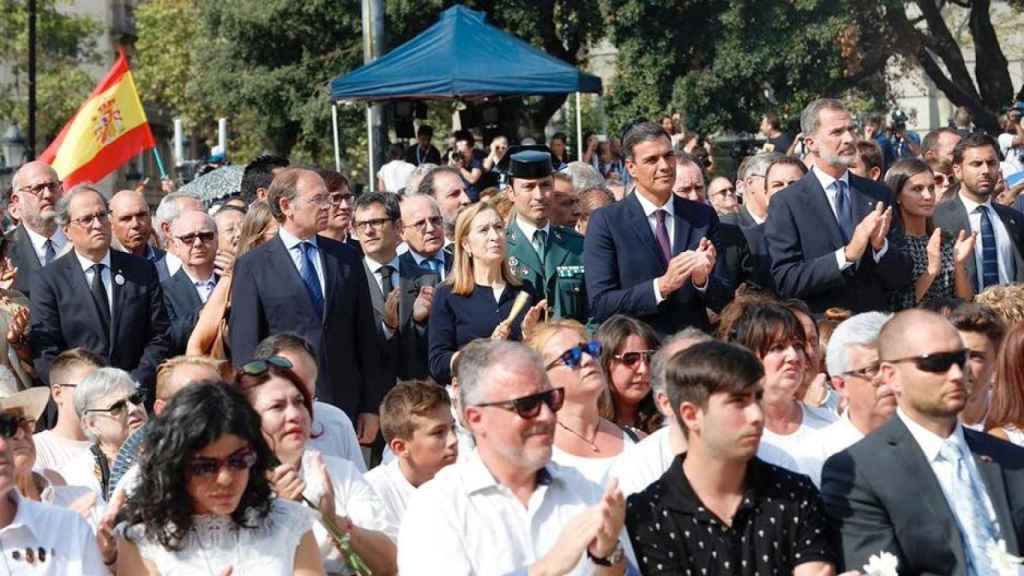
[{"x": 989, "y": 253}]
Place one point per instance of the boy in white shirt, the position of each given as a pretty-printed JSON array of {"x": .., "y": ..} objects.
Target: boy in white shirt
[{"x": 417, "y": 424}]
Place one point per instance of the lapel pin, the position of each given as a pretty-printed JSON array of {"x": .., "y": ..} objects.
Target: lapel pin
[{"x": 118, "y": 279}]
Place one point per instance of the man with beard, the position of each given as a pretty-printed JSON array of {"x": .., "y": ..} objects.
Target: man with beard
[
  {"x": 719, "y": 506},
  {"x": 828, "y": 234},
  {"x": 38, "y": 240},
  {"x": 1000, "y": 229},
  {"x": 508, "y": 494}
]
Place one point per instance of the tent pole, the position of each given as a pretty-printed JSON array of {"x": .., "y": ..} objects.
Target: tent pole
[
  {"x": 579, "y": 130},
  {"x": 372, "y": 179},
  {"x": 337, "y": 149}
]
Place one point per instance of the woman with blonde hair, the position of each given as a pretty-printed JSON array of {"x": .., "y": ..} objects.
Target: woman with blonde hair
[{"x": 478, "y": 299}]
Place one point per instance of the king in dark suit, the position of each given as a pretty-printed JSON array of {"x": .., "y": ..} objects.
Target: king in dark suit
[
  {"x": 194, "y": 234},
  {"x": 315, "y": 287},
  {"x": 653, "y": 255},
  {"x": 38, "y": 240},
  {"x": 99, "y": 299},
  {"x": 923, "y": 487},
  {"x": 828, "y": 234}
]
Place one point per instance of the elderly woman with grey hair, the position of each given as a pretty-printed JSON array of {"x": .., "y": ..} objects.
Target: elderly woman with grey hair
[{"x": 109, "y": 405}]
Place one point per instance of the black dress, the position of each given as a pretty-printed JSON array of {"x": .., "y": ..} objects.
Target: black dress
[{"x": 943, "y": 286}]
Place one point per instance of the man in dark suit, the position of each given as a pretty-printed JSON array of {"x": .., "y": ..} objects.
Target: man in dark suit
[
  {"x": 923, "y": 487},
  {"x": 423, "y": 231},
  {"x": 132, "y": 225},
  {"x": 999, "y": 245},
  {"x": 653, "y": 255},
  {"x": 103, "y": 300},
  {"x": 828, "y": 234},
  {"x": 401, "y": 294},
  {"x": 171, "y": 206},
  {"x": 315, "y": 287},
  {"x": 38, "y": 240},
  {"x": 194, "y": 235},
  {"x": 752, "y": 174}
]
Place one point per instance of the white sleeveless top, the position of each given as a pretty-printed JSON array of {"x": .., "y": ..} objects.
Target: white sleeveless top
[
  {"x": 215, "y": 542},
  {"x": 1016, "y": 435}
]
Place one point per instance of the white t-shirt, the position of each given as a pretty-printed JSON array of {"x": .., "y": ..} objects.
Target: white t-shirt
[
  {"x": 594, "y": 469},
  {"x": 803, "y": 446},
  {"x": 52, "y": 451},
  {"x": 394, "y": 174},
  {"x": 388, "y": 481},
  {"x": 335, "y": 435},
  {"x": 647, "y": 461},
  {"x": 81, "y": 471}
]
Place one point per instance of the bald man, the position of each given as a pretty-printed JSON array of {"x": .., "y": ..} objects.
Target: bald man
[
  {"x": 38, "y": 240},
  {"x": 132, "y": 225},
  {"x": 922, "y": 487},
  {"x": 194, "y": 237}
]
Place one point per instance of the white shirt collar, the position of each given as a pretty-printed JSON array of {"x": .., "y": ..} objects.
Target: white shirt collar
[
  {"x": 476, "y": 476},
  {"x": 929, "y": 441},
  {"x": 827, "y": 180},
  {"x": 85, "y": 263},
  {"x": 971, "y": 205},
  {"x": 374, "y": 266},
  {"x": 291, "y": 241},
  {"x": 529, "y": 229},
  {"x": 24, "y": 515},
  {"x": 650, "y": 208},
  {"x": 38, "y": 240},
  {"x": 210, "y": 280}
]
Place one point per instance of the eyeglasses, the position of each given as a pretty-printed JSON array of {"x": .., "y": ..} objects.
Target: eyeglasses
[
  {"x": 239, "y": 461},
  {"x": 633, "y": 358},
  {"x": 574, "y": 356},
  {"x": 376, "y": 223},
  {"x": 528, "y": 407},
  {"x": 86, "y": 221},
  {"x": 337, "y": 198},
  {"x": 117, "y": 409},
  {"x": 867, "y": 372},
  {"x": 421, "y": 225},
  {"x": 319, "y": 200},
  {"x": 260, "y": 367},
  {"x": 937, "y": 363},
  {"x": 37, "y": 190},
  {"x": 191, "y": 238}
]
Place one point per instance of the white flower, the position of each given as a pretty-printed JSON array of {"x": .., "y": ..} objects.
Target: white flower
[
  {"x": 881, "y": 564},
  {"x": 1004, "y": 563}
]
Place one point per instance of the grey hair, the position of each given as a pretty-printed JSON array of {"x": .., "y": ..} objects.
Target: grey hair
[
  {"x": 417, "y": 196},
  {"x": 63, "y": 208},
  {"x": 667, "y": 350},
  {"x": 584, "y": 176},
  {"x": 99, "y": 383},
  {"x": 208, "y": 218},
  {"x": 168, "y": 210},
  {"x": 757, "y": 165},
  {"x": 478, "y": 358},
  {"x": 810, "y": 118},
  {"x": 858, "y": 330}
]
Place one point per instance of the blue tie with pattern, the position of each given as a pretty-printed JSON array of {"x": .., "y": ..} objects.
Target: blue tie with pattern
[
  {"x": 844, "y": 215},
  {"x": 977, "y": 528},
  {"x": 989, "y": 253},
  {"x": 316, "y": 295}
]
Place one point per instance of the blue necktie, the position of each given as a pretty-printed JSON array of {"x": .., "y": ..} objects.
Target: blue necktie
[
  {"x": 977, "y": 528},
  {"x": 843, "y": 213},
  {"x": 50, "y": 252},
  {"x": 316, "y": 295},
  {"x": 989, "y": 253}
]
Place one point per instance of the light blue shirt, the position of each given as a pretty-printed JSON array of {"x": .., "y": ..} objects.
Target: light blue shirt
[{"x": 293, "y": 244}]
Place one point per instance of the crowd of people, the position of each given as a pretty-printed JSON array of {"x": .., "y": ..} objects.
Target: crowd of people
[{"x": 504, "y": 361}]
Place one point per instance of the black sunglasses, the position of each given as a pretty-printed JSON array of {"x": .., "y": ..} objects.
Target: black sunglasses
[
  {"x": 528, "y": 407},
  {"x": 191, "y": 238},
  {"x": 243, "y": 459},
  {"x": 573, "y": 356},
  {"x": 633, "y": 358},
  {"x": 260, "y": 367},
  {"x": 937, "y": 363},
  {"x": 115, "y": 409}
]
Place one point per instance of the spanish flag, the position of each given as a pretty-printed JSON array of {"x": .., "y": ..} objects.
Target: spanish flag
[{"x": 107, "y": 131}]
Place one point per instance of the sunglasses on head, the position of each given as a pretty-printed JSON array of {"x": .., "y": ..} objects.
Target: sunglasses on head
[
  {"x": 574, "y": 356},
  {"x": 260, "y": 367},
  {"x": 937, "y": 363},
  {"x": 633, "y": 358},
  {"x": 239, "y": 461},
  {"x": 115, "y": 409},
  {"x": 528, "y": 407}
]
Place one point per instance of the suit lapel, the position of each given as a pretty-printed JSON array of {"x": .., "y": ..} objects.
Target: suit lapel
[
  {"x": 30, "y": 255},
  {"x": 289, "y": 274},
  {"x": 376, "y": 296},
  {"x": 681, "y": 234},
  {"x": 641, "y": 228},
  {"x": 116, "y": 271},
  {"x": 992, "y": 475},
  {"x": 332, "y": 273},
  {"x": 79, "y": 284},
  {"x": 862, "y": 205}
]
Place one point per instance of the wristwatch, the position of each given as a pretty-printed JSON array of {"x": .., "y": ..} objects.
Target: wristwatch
[{"x": 611, "y": 560}]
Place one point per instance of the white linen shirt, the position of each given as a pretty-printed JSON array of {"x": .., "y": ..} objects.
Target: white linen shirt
[
  {"x": 463, "y": 522},
  {"x": 68, "y": 541}
]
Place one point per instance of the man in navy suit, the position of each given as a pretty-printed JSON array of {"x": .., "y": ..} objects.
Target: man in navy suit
[
  {"x": 103, "y": 300},
  {"x": 653, "y": 255},
  {"x": 423, "y": 231},
  {"x": 316, "y": 287},
  {"x": 194, "y": 235},
  {"x": 828, "y": 234}
]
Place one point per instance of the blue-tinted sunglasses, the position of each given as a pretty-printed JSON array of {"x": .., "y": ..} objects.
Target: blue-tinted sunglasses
[{"x": 573, "y": 356}]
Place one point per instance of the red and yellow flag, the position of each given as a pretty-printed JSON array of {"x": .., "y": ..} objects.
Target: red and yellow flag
[{"x": 107, "y": 131}]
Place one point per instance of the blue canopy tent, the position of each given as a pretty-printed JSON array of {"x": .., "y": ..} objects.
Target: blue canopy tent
[{"x": 460, "y": 57}]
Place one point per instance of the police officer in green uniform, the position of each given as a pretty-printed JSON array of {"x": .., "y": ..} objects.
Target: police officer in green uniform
[{"x": 549, "y": 258}]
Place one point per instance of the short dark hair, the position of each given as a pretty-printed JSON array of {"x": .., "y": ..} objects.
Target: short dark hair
[
  {"x": 641, "y": 132},
  {"x": 974, "y": 317},
  {"x": 427, "y": 183},
  {"x": 70, "y": 359},
  {"x": 389, "y": 200},
  {"x": 870, "y": 154},
  {"x": 334, "y": 180},
  {"x": 259, "y": 174},
  {"x": 464, "y": 136},
  {"x": 707, "y": 368},
  {"x": 973, "y": 140},
  {"x": 560, "y": 136},
  {"x": 765, "y": 324},
  {"x": 283, "y": 342},
  {"x": 773, "y": 120},
  {"x": 425, "y": 130},
  {"x": 931, "y": 139},
  {"x": 396, "y": 151},
  {"x": 787, "y": 161},
  {"x": 284, "y": 185}
]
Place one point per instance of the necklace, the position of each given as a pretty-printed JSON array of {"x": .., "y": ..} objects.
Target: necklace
[
  {"x": 581, "y": 436},
  {"x": 211, "y": 524}
]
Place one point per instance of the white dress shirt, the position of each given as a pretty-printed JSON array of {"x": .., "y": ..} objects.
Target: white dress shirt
[
  {"x": 203, "y": 287},
  {"x": 1004, "y": 245},
  {"x": 375, "y": 266},
  {"x": 335, "y": 435},
  {"x": 67, "y": 539},
  {"x": 831, "y": 191},
  {"x": 529, "y": 230},
  {"x": 292, "y": 243},
  {"x": 945, "y": 472},
  {"x": 87, "y": 267},
  {"x": 58, "y": 240},
  {"x": 394, "y": 489},
  {"x": 173, "y": 263},
  {"x": 467, "y": 522}
]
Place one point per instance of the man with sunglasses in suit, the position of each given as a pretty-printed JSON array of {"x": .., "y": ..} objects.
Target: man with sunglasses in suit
[
  {"x": 194, "y": 235},
  {"x": 923, "y": 487},
  {"x": 506, "y": 507}
]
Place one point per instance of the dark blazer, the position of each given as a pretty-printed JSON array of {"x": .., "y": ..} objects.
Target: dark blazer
[
  {"x": 23, "y": 256},
  {"x": 407, "y": 260},
  {"x": 760, "y": 268},
  {"x": 883, "y": 496},
  {"x": 951, "y": 216},
  {"x": 622, "y": 259},
  {"x": 433, "y": 155},
  {"x": 739, "y": 262},
  {"x": 163, "y": 272},
  {"x": 268, "y": 296},
  {"x": 181, "y": 299},
  {"x": 64, "y": 316},
  {"x": 404, "y": 352},
  {"x": 803, "y": 235},
  {"x": 742, "y": 218}
]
